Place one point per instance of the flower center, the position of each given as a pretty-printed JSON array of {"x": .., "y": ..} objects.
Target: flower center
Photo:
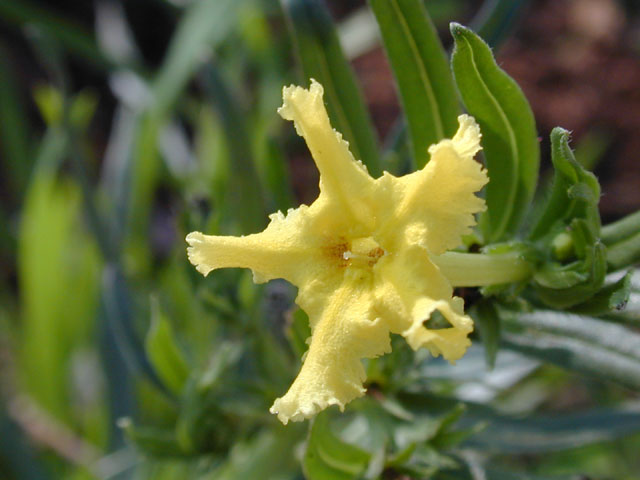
[{"x": 363, "y": 252}]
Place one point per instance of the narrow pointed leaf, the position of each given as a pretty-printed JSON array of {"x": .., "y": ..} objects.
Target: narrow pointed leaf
[
  {"x": 622, "y": 229},
  {"x": 164, "y": 354},
  {"x": 119, "y": 316},
  {"x": 14, "y": 137},
  {"x": 610, "y": 298},
  {"x": 421, "y": 70},
  {"x": 243, "y": 189},
  {"x": 577, "y": 343},
  {"x": 322, "y": 58},
  {"x": 76, "y": 39},
  {"x": 625, "y": 253},
  {"x": 328, "y": 457},
  {"x": 509, "y": 136},
  {"x": 496, "y": 19},
  {"x": 600, "y": 333},
  {"x": 488, "y": 322},
  {"x": 622, "y": 239},
  {"x": 539, "y": 434},
  {"x": 204, "y": 25}
]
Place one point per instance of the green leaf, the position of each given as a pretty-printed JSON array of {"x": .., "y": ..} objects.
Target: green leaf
[
  {"x": 622, "y": 239},
  {"x": 499, "y": 474},
  {"x": 205, "y": 24},
  {"x": 610, "y": 298},
  {"x": 322, "y": 58},
  {"x": 577, "y": 354},
  {"x": 244, "y": 195},
  {"x": 75, "y": 38},
  {"x": 163, "y": 352},
  {"x": 509, "y": 136},
  {"x": 298, "y": 332},
  {"x": 153, "y": 441},
  {"x": 55, "y": 257},
  {"x": 540, "y": 434},
  {"x": 421, "y": 71},
  {"x": 14, "y": 125},
  {"x": 267, "y": 454},
  {"x": 598, "y": 332},
  {"x": 624, "y": 228},
  {"x": 487, "y": 320},
  {"x": 327, "y": 457},
  {"x": 496, "y": 19},
  {"x": 116, "y": 298},
  {"x": 624, "y": 253},
  {"x": 273, "y": 169}
]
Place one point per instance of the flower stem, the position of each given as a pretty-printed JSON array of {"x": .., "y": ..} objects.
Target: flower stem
[{"x": 481, "y": 269}]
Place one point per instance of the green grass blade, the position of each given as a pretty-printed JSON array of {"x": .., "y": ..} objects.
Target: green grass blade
[
  {"x": 244, "y": 200},
  {"x": 119, "y": 316},
  {"x": 55, "y": 258},
  {"x": 204, "y": 25},
  {"x": 322, "y": 58},
  {"x": 421, "y": 71},
  {"x": 496, "y": 19},
  {"x": 73, "y": 37},
  {"x": 14, "y": 129},
  {"x": 509, "y": 135}
]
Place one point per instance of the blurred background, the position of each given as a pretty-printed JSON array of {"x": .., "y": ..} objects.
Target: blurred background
[{"x": 126, "y": 124}]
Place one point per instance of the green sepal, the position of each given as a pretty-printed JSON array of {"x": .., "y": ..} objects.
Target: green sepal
[
  {"x": 567, "y": 233},
  {"x": 575, "y": 192},
  {"x": 564, "y": 286}
]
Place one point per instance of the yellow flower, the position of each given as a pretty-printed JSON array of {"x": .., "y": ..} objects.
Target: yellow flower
[{"x": 363, "y": 255}]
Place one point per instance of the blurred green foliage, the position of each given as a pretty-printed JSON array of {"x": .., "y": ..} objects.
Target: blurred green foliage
[{"x": 120, "y": 361}]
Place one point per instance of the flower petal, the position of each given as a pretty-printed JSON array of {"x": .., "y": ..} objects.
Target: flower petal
[
  {"x": 346, "y": 331},
  {"x": 410, "y": 289},
  {"x": 291, "y": 247},
  {"x": 344, "y": 180},
  {"x": 435, "y": 205}
]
